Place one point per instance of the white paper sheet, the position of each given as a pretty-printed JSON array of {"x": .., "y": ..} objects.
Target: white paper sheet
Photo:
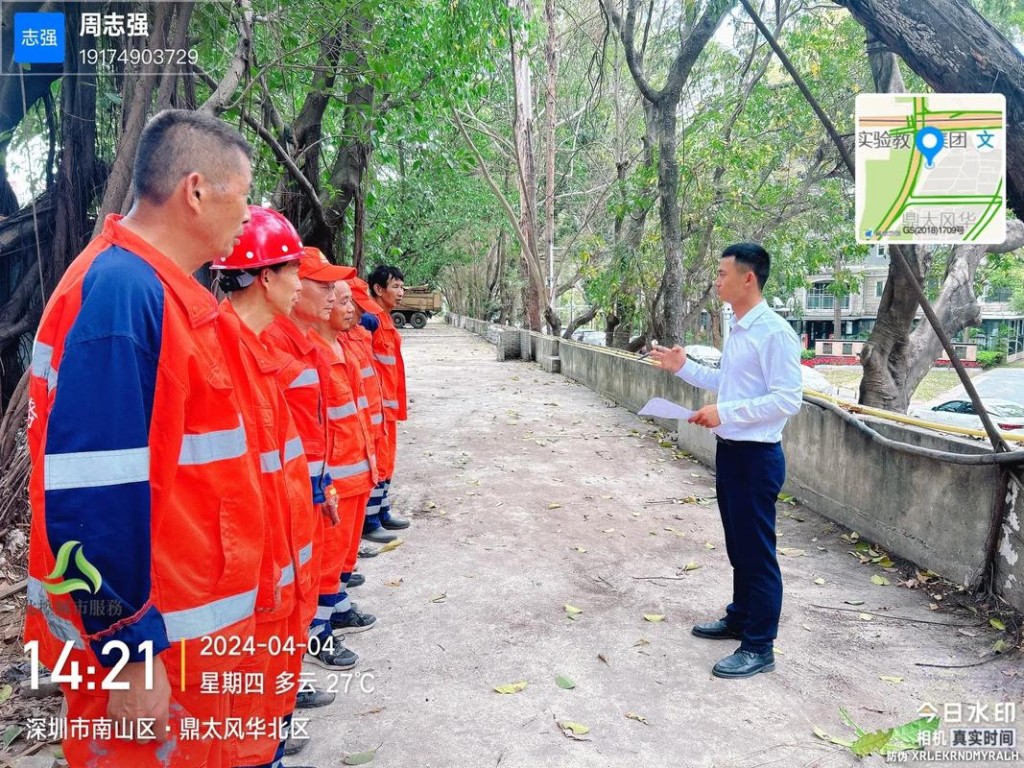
[{"x": 661, "y": 408}]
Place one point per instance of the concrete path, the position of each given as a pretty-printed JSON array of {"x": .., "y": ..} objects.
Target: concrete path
[{"x": 528, "y": 493}]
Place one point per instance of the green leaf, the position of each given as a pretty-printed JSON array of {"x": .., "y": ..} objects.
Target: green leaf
[
  {"x": 572, "y": 610},
  {"x": 564, "y": 682},
  {"x": 997, "y": 624},
  {"x": 880, "y": 580},
  {"x": 821, "y": 734},
  {"x": 890, "y": 678},
  {"x": 871, "y": 743},
  {"x": 359, "y": 758},
  {"x": 5, "y": 693},
  {"x": 511, "y": 687},
  {"x": 907, "y": 736},
  {"x": 11, "y": 733},
  {"x": 577, "y": 729},
  {"x": 654, "y": 618}
]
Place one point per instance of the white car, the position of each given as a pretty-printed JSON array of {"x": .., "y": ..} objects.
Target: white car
[
  {"x": 1005, "y": 414},
  {"x": 704, "y": 355}
]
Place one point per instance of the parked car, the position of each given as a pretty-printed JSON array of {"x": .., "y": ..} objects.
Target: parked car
[
  {"x": 596, "y": 338},
  {"x": 704, "y": 355},
  {"x": 1008, "y": 416}
]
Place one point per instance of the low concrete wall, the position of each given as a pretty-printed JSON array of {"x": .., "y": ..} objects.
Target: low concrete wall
[{"x": 933, "y": 513}]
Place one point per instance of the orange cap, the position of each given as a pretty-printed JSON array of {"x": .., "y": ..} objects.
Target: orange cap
[
  {"x": 315, "y": 266},
  {"x": 361, "y": 295}
]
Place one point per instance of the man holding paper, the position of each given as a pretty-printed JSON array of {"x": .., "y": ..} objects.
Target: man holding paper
[{"x": 759, "y": 387}]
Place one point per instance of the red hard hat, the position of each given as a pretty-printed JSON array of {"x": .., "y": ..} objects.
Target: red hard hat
[{"x": 268, "y": 238}]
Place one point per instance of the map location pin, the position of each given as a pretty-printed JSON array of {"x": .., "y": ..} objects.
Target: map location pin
[{"x": 929, "y": 142}]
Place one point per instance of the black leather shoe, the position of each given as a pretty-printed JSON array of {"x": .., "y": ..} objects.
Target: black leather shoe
[
  {"x": 294, "y": 746},
  {"x": 744, "y": 664},
  {"x": 356, "y": 580},
  {"x": 313, "y": 699},
  {"x": 395, "y": 523},
  {"x": 379, "y": 536},
  {"x": 368, "y": 552},
  {"x": 716, "y": 630}
]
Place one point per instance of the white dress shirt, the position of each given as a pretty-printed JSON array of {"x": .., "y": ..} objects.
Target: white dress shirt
[{"x": 759, "y": 383}]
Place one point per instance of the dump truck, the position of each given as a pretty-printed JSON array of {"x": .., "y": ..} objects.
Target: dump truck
[{"x": 418, "y": 304}]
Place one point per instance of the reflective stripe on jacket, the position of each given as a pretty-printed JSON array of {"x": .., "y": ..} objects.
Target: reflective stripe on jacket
[
  {"x": 350, "y": 455},
  {"x": 387, "y": 359}
]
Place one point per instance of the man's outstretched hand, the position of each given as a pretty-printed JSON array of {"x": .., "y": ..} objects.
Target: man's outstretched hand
[{"x": 669, "y": 359}]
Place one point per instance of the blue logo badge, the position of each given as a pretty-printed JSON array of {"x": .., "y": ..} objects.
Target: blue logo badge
[{"x": 39, "y": 38}]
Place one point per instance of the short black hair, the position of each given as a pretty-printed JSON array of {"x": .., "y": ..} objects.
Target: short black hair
[
  {"x": 382, "y": 274},
  {"x": 231, "y": 280},
  {"x": 177, "y": 142},
  {"x": 753, "y": 257}
]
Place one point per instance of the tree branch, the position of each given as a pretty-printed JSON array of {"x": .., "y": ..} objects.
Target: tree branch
[{"x": 238, "y": 66}]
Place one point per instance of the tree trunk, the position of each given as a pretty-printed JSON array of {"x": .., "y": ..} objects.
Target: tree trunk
[
  {"x": 665, "y": 103},
  {"x": 957, "y": 306},
  {"x": 522, "y": 135},
  {"x": 885, "y": 356},
  {"x": 955, "y": 50},
  {"x": 668, "y": 210},
  {"x": 550, "y": 116}
]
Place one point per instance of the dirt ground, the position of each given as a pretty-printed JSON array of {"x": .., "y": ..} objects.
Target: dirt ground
[{"x": 530, "y": 493}]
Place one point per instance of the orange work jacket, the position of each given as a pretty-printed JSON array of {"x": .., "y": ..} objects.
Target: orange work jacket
[{"x": 146, "y": 514}]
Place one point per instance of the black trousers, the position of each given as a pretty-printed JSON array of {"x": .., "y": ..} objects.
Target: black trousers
[{"x": 748, "y": 479}]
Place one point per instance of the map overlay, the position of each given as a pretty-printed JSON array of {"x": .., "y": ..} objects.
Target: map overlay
[{"x": 931, "y": 168}]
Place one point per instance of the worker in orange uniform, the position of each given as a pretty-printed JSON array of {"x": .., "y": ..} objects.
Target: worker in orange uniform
[
  {"x": 350, "y": 459},
  {"x": 363, "y": 378},
  {"x": 261, "y": 280},
  {"x": 146, "y": 531},
  {"x": 387, "y": 286}
]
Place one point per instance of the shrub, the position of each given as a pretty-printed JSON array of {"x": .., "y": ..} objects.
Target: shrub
[
  {"x": 806, "y": 354},
  {"x": 988, "y": 358}
]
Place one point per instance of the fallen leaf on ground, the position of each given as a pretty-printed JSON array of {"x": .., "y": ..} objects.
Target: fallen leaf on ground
[
  {"x": 387, "y": 548},
  {"x": 602, "y": 657},
  {"x": 865, "y": 616},
  {"x": 554, "y": 505},
  {"x": 638, "y": 718},
  {"x": 10, "y": 734},
  {"x": 580, "y": 549},
  {"x": 997, "y": 624},
  {"x": 1000, "y": 646},
  {"x": 890, "y": 678},
  {"x": 608, "y": 530},
  {"x": 654, "y": 618},
  {"x": 564, "y": 682},
  {"x": 791, "y": 552},
  {"x": 819, "y": 581},
  {"x": 880, "y": 580},
  {"x": 359, "y": 758},
  {"x": 439, "y": 598},
  {"x": 511, "y": 687},
  {"x": 691, "y": 566},
  {"x": 572, "y": 610},
  {"x": 854, "y": 601},
  {"x": 573, "y": 730},
  {"x": 708, "y": 545}
]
